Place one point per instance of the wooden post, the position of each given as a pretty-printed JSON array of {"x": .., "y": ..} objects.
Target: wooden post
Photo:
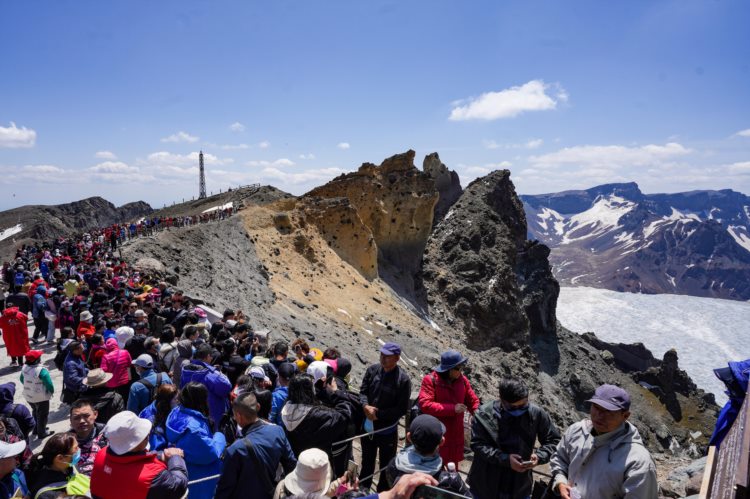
[{"x": 708, "y": 473}]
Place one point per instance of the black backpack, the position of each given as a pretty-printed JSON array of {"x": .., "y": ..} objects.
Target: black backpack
[
  {"x": 11, "y": 423},
  {"x": 151, "y": 387}
]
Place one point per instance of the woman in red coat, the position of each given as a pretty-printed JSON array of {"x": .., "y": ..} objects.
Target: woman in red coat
[
  {"x": 15, "y": 333},
  {"x": 447, "y": 395}
]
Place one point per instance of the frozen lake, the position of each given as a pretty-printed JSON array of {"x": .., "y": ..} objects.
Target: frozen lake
[{"x": 706, "y": 332}]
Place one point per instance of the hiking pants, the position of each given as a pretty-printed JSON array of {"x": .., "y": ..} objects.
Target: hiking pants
[
  {"x": 386, "y": 446},
  {"x": 40, "y": 411},
  {"x": 40, "y": 326}
]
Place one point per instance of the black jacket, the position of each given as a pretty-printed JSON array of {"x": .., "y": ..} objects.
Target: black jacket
[
  {"x": 107, "y": 402},
  {"x": 20, "y": 300},
  {"x": 315, "y": 426},
  {"x": 389, "y": 392},
  {"x": 495, "y": 435}
]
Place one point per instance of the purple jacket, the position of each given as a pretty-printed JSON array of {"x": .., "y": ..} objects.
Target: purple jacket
[{"x": 218, "y": 386}]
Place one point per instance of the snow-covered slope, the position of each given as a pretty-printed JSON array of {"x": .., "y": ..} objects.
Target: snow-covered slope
[
  {"x": 615, "y": 237},
  {"x": 706, "y": 332}
]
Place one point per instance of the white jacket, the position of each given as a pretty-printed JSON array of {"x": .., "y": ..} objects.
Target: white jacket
[{"x": 613, "y": 465}]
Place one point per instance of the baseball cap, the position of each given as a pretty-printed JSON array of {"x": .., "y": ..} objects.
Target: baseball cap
[
  {"x": 426, "y": 432},
  {"x": 125, "y": 431},
  {"x": 256, "y": 372},
  {"x": 318, "y": 370},
  {"x": 145, "y": 361},
  {"x": 390, "y": 349},
  {"x": 10, "y": 450},
  {"x": 33, "y": 355},
  {"x": 611, "y": 398}
]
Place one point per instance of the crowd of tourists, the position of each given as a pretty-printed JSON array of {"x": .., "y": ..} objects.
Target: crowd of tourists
[{"x": 164, "y": 399}]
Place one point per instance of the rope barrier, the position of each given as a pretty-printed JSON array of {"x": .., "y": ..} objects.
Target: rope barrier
[
  {"x": 204, "y": 479},
  {"x": 345, "y": 441}
]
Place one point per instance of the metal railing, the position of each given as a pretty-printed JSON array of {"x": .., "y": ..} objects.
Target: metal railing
[{"x": 727, "y": 473}]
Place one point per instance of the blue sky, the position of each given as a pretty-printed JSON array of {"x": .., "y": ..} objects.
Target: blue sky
[{"x": 116, "y": 98}]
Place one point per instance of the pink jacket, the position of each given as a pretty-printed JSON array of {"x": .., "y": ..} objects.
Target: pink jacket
[{"x": 117, "y": 362}]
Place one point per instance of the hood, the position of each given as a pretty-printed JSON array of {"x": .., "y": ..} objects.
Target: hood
[
  {"x": 185, "y": 348},
  {"x": 10, "y": 312},
  {"x": 41, "y": 290},
  {"x": 409, "y": 461},
  {"x": 7, "y": 393},
  {"x": 111, "y": 345},
  {"x": 293, "y": 414},
  {"x": 182, "y": 421}
]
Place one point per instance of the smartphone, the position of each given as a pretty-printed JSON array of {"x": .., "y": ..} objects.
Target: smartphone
[
  {"x": 353, "y": 469},
  {"x": 430, "y": 492},
  {"x": 527, "y": 463}
]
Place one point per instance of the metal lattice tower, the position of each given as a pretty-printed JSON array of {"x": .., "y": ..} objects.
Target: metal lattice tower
[{"x": 202, "y": 186}]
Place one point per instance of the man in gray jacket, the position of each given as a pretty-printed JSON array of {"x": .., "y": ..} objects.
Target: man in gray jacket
[{"x": 604, "y": 456}]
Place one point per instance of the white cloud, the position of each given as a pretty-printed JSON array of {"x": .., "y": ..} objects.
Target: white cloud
[
  {"x": 534, "y": 144},
  {"x": 105, "y": 155},
  {"x": 168, "y": 158},
  {"x": 307, "y": 156},
  {"x": 180, "y": 137},
  {"x": 511, "y": 102},
  {"x": 13, "y": 137},
  {"x": 118, "y": 172},
  {"x": 612, "y": 156},
  {"x": 343, "y": 145},
  {"x": 264, "y": 144},
  {"x": 743, "y": 133},
  {"x": 48, "y": 174},
  {"x": 741, "y": 168},
  {"x": 281, "y": 162},
  {"x": 234, "y": 147},
  {"x": 237, "y": 127}
]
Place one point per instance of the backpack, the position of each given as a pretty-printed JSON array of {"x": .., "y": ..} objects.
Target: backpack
[
  {"x": 18, "y": 280},
  {"x": 151, "y": 387},
  {"x": 11, "y": 423},
  {"x": 11, "y": 433}
]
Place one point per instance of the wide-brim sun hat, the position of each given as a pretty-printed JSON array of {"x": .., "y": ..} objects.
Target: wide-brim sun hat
[
  {"x": 312, "y": 475},
  {"x": 97, "y": 377},
  {"x": 450, "y": 360},
  {"x": 125, "y": 431}
]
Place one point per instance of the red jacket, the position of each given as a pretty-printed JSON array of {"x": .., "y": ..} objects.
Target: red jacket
[
  {"x": 85, "y": 329},
  {"x": 124, "y": 477},
  {"x": 15, "y": 331},
  {"x": 439, "y": 398}
]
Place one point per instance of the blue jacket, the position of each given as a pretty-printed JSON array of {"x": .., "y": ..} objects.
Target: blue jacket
[
  {"x": 217, "y": 383},
  {"x": 39, "y": 302},
  {"x": 280, "y": 394},
  {"x": 189, "y": 430},
  {"x": 12, "y": 481},
  {"x": 74, "y": 372},
  {"x": 730, "y": 411},
  {"x": 240, "y": 472},
  {"x": 19, "y": 412},
  {"x": 140, "y": 395},
  {"x": 157, "y": 439}
]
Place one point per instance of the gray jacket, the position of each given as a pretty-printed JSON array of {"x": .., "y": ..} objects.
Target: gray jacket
[{"x": 613, "y": 465}]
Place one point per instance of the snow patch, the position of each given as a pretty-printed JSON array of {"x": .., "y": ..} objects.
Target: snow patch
[
  {"x": 602, "y": 217},
  {"x": 738, "y": 233},
  {"x": 219, "y": 207},
  {"x": 10, "y": 231},
  {"x": 676, "y": 217},
  {"x": 434, "y": 325},
  {"x": 342, "y": 311},
  {"x": 550, "y": 215}
]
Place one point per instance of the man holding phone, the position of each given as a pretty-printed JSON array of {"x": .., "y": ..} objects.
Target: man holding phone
[{"x": 503, "y": 434}]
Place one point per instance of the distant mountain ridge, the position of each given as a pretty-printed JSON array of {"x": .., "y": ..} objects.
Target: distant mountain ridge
[
  {"x": 616, "y": 237},
  {"x": 44, "y": 222}
]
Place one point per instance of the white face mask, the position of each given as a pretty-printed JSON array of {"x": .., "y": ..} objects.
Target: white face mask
[{"x": 148, "y": 446}]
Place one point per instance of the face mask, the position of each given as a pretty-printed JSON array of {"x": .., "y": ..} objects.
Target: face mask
[
  {"x": 368, "y": 426},
  {"x": 76, "y": 457},
  {"x": 148, "y": 446},
  {"x": 518, "y": 412}
]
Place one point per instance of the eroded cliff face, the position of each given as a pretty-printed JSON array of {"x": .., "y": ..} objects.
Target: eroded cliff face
[
  {"x": 446, "y": 182},
  {"x": 478, "y": 269},
  {"x": 396, "y": 201}
]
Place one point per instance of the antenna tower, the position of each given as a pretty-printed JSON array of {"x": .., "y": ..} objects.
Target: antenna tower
[{"x": 202, "y": 182}]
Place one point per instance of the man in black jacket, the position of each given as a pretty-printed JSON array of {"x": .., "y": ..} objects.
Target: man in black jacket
[
  {"x": 384, "y": 392},
  {"x": 502, "y": 437}
]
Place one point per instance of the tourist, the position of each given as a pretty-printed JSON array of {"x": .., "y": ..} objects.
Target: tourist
[
  {"x": 308, "y": 423},
  {"x": 38, "y": 309},
  {"x": 305, "y": 354},
  {"x": 157, "y": 411},
  {"x": 385, "y": 392},
  {"x": 86, "y": 327},
  {"x": 184, "y": 355},
  {"x": 190, "y": 429},
  {"x": 604, "y": 456},
  {"x": 106, "y": 401},
  {"x": 74, "y": 372},
  {"x": 201, "y": 370},
  {"x": 143, "y": 389},
  {"x": 53, "y": 470},
  {"x": 280, "y": 394},
  {"x": 37, "y": 390},
  {"x": 18, "y": 412},
  {"x": 12, "y": 480},
  {"x": 15, "y": 333},
  {"x": 447, "y": 394},
  {"x": 117, "y": 361},
  {"x": 424, "y": 439},
  {"x": 89, "y": 434},
  {"x": 126, "y": 456},
  {"x": 312, "y": 477},
  {"x": 503, "y": 436}
]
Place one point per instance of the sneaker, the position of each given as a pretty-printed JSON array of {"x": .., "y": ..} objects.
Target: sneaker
[
  {"x": 46, "y": 434},
  {"x": 34, "y": 341},
  {"x": 13, "y": 363}
]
